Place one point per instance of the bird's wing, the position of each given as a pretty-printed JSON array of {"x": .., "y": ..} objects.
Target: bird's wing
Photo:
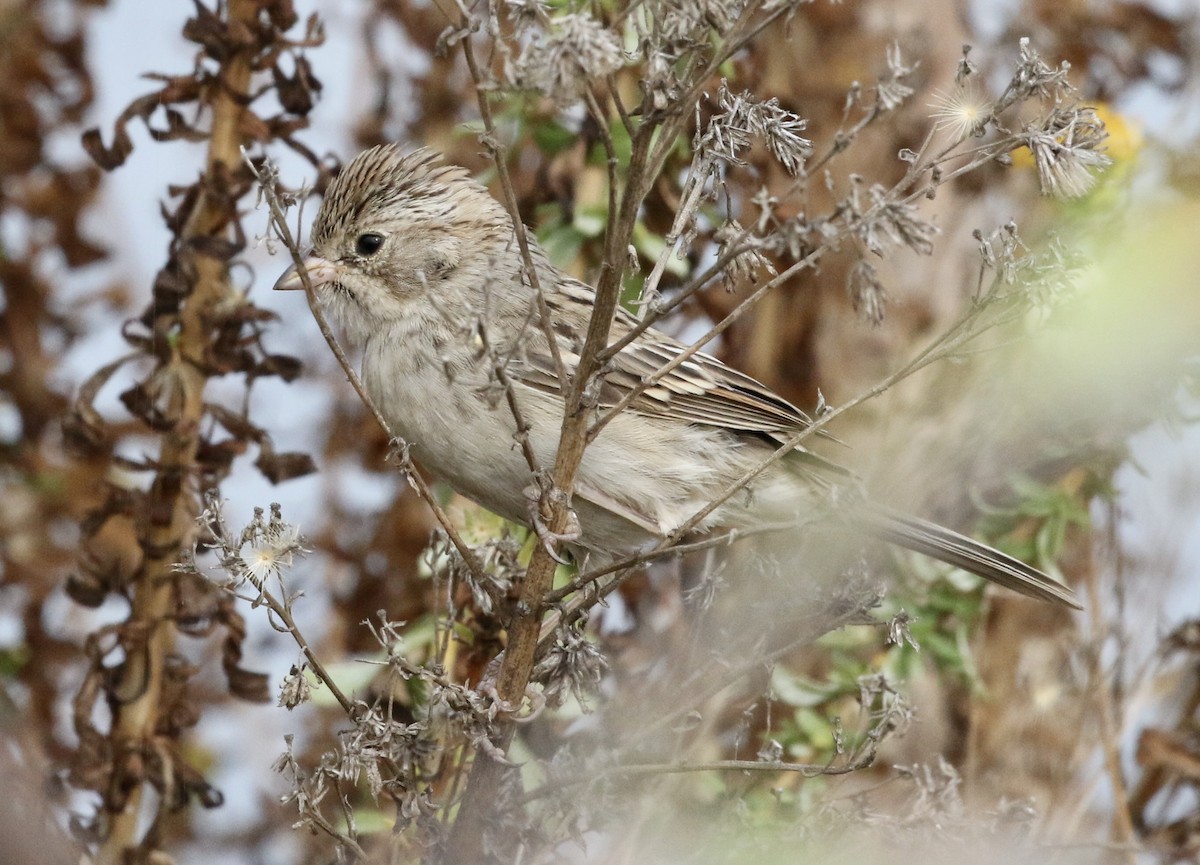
[{"x": 700, "y": 390}]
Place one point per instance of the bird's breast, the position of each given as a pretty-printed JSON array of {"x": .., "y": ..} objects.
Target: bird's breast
[{"x": 453, "y": 417}]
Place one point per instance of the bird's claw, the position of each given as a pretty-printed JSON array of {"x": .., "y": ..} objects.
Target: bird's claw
[{"x": 551, "y": 539}]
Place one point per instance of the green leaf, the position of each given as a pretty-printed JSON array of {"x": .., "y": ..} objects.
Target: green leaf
[
  {"x": 552, "y": 137},
  {"x": 561, "y": 243},
  {"x": 652, "y": 245},
  {"x": 418, "y": 691},
  {"x": 590, "y": 221},
  {"x": 352, "y": 677},
  {"x": 622, "y": 147},
  {"x": 795, "y": 690},
  {"x": 816, "y": 728}
]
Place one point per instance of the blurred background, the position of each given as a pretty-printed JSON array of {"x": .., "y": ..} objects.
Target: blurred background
[{"x": 1073, "y": 443}]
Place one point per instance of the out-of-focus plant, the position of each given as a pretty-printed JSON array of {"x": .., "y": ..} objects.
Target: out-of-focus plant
[
  {"x": 199, "y": 326},
  {"x": 505, "y": 713}
]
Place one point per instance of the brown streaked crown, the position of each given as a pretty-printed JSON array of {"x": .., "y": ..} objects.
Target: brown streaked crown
[{"x": 384, "y": 182}]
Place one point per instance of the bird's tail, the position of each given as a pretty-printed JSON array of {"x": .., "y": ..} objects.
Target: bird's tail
[{"x": 962, "y": 552}]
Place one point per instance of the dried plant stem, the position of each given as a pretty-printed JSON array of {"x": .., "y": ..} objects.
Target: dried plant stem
[
  {"x": 610, "y": 152},
  {"x": 653, "y": 313},
  {"x": 492, "y": 142},
  {"x": 171, "y": 524},
  {"x": 723, "y": 539},
  {"x": 634, "y": 770},
  {"x": 1123, "y": 830},
  {"x": 283, "y": 612},
  {"x": 682, "y": 217},
  {"x": 524, "y": 630}
]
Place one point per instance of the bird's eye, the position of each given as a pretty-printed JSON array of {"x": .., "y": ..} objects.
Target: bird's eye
[{"x": 368, "y": 244}]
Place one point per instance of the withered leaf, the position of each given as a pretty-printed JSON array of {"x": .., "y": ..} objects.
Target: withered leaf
[
  {"x": 119, "y": 502},
  {"x": 171, "y": 285},
  {"x": 297, "y": 92},
  {"x": 285, "y": 366},
  {"x": 247, "y": 685},
  {"x": 220, "y": 248},
  {"x": 197, "y": 604},
  {"x": 108, "y": 158},
  {"x": 209, "y": 31},
  {"x": 177, "y": 128},
  {"x": 190, "y": 783},
  {"x": 242, "y": 682},
  {"x": 138, "y": 401},
  {"x": 217, "y": 458},
  {"x": 83, "y": 426},
  {"x": 238, "y": 425},
  {"x": 86, "y": 590},
  {"x": 279, "y": 467},
  {"x": 282, "y": 14}
]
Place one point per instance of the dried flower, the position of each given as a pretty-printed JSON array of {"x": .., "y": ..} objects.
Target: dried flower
[
  {"x": 526, "y": 13},
  {"x": 659, "y": 82},
  {"x": 1001, "y": 252},
  {"x": 889, "y": 222},
  {"x": 272, "y": 545},
  {"x": 771, "y": 751},
  {"x": 296, "y": 688},
  {"x": 1044, "y": 278},
  {"x": 899, "y": 633},
  {"x": 867, "y": 293},
  {"x": 572, "y": 664},
  {"x": 747, "y": 262},
  {"x": 892, "y": 91},
  {"x": 965, "y": 67},
  {"x": 685, "y": 23},
  {"x": 739, "y": 119},
  {"x": 1035, "y": 77},
  {"x": 265, "y": 547},
  {"x": 1065, "y": 152},
  {"x": 498, "y": 555},
  {"x": 963, "y": 111},
  {"x": 938, "y": 789},
  {"x": 559, "y": 62}
]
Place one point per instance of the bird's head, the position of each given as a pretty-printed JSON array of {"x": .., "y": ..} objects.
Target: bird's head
[{"x": 394, "y": 226}]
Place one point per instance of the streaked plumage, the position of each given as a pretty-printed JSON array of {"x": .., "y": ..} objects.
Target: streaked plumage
[{"x": 416, "y": 260}]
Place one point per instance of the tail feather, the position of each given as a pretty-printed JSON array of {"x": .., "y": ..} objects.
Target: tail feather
[{"x": 962, "y": 552}]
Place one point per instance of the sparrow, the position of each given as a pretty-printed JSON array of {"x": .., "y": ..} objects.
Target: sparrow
[{"x": 419, "y": 265}]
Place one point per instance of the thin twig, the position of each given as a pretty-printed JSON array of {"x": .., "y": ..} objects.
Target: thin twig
[
  {"x": 634, "y": 770},
  {"x": 492, "y": 141},
  {"x": 1110, "y": 735},
  {"x": 283, "y": 612},
  {"x": 722, "y": 539},
  {"x": 945, "y": 345}
]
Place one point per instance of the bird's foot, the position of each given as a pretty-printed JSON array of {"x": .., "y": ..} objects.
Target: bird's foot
[{"x": 536, "y": 495}]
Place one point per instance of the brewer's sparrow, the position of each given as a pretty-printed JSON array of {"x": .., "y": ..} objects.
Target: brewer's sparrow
[{"x": 419, "y": 264}]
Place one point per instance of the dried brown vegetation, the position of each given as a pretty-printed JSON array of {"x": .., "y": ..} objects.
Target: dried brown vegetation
[{"x": 705, "y": 679}]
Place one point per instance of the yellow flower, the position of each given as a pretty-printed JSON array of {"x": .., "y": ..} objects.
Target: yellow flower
[{"x": 1122, "y": 143}]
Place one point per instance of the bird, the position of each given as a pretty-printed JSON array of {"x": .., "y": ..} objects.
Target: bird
[{"x": 419, "y": 266}]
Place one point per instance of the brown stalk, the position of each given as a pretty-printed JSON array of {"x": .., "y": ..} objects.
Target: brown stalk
[
  {"x": 524, "y": 631},
  {"x": 170, "y": 504},
  {"x": 1122, "y": 828}
]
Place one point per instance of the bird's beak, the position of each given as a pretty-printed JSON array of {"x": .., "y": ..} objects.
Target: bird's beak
[{"x": 320, "y": 272}]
